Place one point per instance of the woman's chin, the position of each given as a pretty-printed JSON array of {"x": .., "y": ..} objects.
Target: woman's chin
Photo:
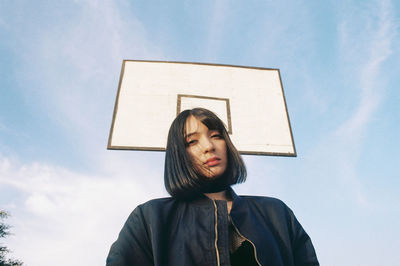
[
  {"x": 211, "y": 176},
  {"x": 212, "y": 173}
]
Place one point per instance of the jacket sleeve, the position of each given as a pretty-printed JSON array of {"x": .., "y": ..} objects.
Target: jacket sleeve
[
  {"x": 133, "y": 246},
  {"x": 303, "y": 249}
]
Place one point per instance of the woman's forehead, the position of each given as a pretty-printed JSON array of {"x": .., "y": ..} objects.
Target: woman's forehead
[
  {"x": 195, "y": 125},
  {"x": 192, "y": 125}
]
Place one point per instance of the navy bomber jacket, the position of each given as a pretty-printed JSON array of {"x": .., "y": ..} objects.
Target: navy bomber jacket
[{"x": 172, "y": 232}]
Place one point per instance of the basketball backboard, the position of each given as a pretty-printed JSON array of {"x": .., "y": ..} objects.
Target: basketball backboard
[{"x": 250, "y": 101}]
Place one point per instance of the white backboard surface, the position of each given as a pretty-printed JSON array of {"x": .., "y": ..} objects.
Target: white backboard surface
[{"x": 249, "y": 100}]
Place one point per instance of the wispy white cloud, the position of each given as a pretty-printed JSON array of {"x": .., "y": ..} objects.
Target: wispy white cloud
[
  {"x": 70, "y": 217},
  {"x": 366, "y": 40},
  {"x": 369, "y": 54}
]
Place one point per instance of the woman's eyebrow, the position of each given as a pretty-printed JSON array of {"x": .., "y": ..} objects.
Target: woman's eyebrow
[{"x": 191, "y": 134}]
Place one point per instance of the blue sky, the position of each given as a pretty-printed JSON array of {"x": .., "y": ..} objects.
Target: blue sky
[{"x": 59, "y": 70}]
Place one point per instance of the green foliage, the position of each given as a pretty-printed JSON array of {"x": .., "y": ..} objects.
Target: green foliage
[
  {"x": 4, "y": 231},
  {"x": 3, "y": 227}
]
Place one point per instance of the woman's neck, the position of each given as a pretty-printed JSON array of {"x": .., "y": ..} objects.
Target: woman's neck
[{"x": 222, "y": 195}]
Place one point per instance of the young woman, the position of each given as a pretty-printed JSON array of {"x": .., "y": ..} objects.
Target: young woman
[{"x": 205, "y": 222}]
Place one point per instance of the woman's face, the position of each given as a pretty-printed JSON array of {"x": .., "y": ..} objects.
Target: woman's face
[{"x": 207, "y": 148}]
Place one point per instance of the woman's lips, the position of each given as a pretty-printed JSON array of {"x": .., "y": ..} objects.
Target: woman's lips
[{"x": 212, "y": 161}]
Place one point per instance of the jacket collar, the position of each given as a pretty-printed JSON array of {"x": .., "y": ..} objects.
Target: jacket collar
[
  {"x": 204, "y": 200},
  {"x": 237, "y": 200}
]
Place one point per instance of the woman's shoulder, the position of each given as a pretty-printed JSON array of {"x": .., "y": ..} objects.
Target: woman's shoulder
[
  {"x": 264, "y": 200},
  {"x": 158, "y": 203},
  {"x": 267, "y": 204},
  {"x": 151, "y": 209}
]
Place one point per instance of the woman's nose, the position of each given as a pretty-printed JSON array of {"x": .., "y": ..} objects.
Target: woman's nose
[{"x": 207, "y": 145}]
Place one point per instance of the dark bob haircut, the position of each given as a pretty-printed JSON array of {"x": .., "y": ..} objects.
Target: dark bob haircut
[{"x": 181, "y": 179}]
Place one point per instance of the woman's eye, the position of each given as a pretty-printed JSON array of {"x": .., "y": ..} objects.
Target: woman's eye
[
  {"x": 191, "y": 142},
  {"x": 217, "y": 136}
]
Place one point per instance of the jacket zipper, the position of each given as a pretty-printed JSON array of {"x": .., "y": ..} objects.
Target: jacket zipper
[
  {"x": 254, "y": 246},
  {"x": 216, "y": 232}
]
